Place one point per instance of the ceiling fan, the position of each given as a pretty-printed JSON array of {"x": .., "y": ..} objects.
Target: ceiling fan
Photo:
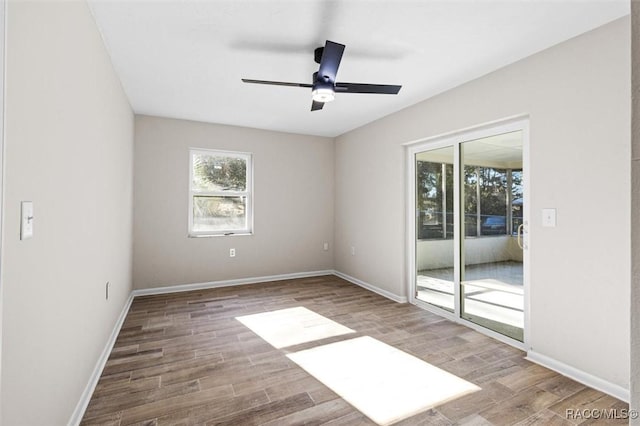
[{"x": 324, "y": 85}]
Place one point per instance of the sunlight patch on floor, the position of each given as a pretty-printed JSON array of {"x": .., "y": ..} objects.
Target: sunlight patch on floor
[
  {"x": 384, "y": 383},
  {"x": 292, "y": 326}
]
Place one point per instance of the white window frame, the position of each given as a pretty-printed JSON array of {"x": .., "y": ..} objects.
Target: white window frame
[{"x": 248, "y": 193}]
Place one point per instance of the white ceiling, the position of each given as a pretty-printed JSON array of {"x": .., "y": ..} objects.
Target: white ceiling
[
  {"x": 504, "y": 149},
  {"x": 185, "y": 58}
]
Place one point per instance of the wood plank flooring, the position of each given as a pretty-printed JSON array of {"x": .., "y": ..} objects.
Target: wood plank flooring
[{"x": 183, "y": 359}]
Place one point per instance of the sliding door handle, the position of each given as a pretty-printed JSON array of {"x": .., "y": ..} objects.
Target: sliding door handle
[{"x": 520, "y": 234}]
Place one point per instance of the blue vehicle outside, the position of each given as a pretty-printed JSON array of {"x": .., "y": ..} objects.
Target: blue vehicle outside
[{"x": 494, "y": 225}]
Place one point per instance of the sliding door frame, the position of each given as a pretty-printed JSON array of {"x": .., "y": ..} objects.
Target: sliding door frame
[
  {"x": 455, "y": 139},
  {"x": 3, "y": 76}
]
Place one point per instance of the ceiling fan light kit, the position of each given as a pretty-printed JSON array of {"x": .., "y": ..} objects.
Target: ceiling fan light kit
[
  {"x": 323, "y": 94},
  {"x": 324, "y": 85}
]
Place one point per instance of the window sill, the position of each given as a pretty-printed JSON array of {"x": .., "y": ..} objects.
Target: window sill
[{"x": 237, "y": 234}]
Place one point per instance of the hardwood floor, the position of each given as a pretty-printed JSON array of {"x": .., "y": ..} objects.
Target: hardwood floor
[{"x": 183, "y": 359}]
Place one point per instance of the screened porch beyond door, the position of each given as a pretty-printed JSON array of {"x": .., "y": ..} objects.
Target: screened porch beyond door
[{"x": 497, "y": 300}]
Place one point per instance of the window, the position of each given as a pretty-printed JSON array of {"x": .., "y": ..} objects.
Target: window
[
  {"x": 486, "y": 200},
  {"x": 435, "y": 200},
  {"x": 219, "y": 193}
]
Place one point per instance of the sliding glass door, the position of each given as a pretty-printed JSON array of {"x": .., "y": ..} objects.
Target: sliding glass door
[
  {"x": 491, "y": 267},
  {"x": 469, "y": 230}
]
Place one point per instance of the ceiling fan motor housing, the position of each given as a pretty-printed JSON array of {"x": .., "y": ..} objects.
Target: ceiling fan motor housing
[
  {"x": 322, "y": 82},
  {"x": 323, "y": 89},
  {"x": 317, "y": 54}
]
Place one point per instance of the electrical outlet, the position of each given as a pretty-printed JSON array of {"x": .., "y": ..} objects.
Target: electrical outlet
[
  {"x": 232, "y": 252},
  {"x": 353, "y": 251},
  {"x": 325, "y": 247},
  {"x": 106, "y": 291}
]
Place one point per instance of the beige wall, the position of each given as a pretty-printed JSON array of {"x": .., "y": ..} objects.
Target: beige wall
[
  {"x": 69, "y": 149},
  {"x": 577, "y": 97},
  {"x": 634, "y": 400},
  {"x": 2, "y": 98},
  {"x": 293, "y": 205}
]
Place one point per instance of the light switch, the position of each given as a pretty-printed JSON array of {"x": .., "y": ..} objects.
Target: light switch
[
  {"x": 26, "y": 222},
  {"x": 549, "y": 218}
]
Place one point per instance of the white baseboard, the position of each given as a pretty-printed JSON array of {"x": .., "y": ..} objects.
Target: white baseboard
[
  {"x": 548, "y": 362},
  {"x": 583, "y": 377},
  {"x": 227, "y": 283},
  {"x": 371, "y": 287},
  {"x": 81, "y": 407}
]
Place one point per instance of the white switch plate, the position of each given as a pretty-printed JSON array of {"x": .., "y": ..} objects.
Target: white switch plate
[
  {"x": 232, "y": 252},
  {"x": 26, "y": 222},
  {"x": 325, "y": 247},
  {"x": 549, "y": 218}
]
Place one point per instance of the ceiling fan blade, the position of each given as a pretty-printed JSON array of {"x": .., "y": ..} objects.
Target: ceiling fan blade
[
  {"x": 383, "y": 89},
  {"x": 316, "y": 106},
  {"x": 331, "y": 57},
  {"x": 276, "y": 83}
]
